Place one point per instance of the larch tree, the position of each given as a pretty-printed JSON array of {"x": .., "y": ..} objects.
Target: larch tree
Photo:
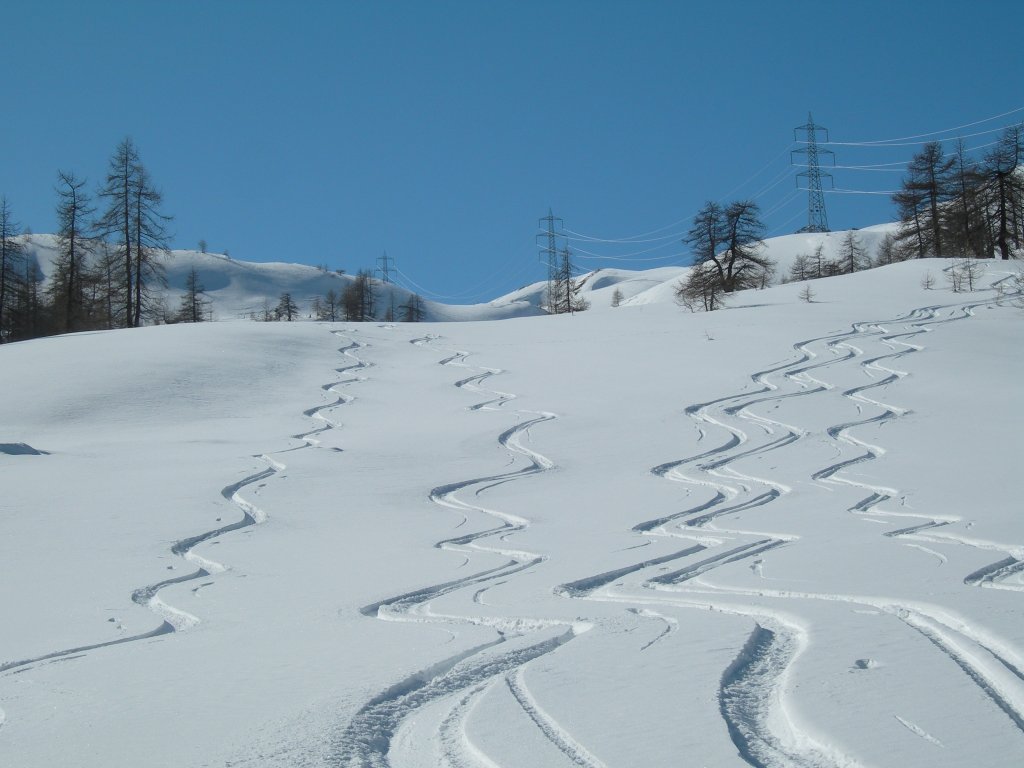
[
  {"x": 149, "y": 227},
  {"x": 800, "y": 269},
  {"x": 564, "y": 289},
  {"x": 330, "y": 307},
  {"x": 358, "y": 300},
  {"x": 1004, "y": 190},
  {"x": 887, "y": 251},
  {"x": 412, "y": 310},
  {"x": 287, "y": 309},
  {"x": 105, "y": 286},
  {"x": 730, "y": 241},
  {"x": 194, "y": 302},
  {"x": 133, "y": 222},
  {"x": 11, "y": 257},
  {"x": 701, "y": 289},
  {"x": 923, "y": 197},
  {"x": 853, "y": 257},
  {"x": 67, "y": 284},
  {"x": 963, "y": 219},
  {"x": 26, "y": 316}
]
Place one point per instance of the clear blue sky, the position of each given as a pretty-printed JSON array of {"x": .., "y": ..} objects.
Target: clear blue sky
[{"x": 329, "y": 132}]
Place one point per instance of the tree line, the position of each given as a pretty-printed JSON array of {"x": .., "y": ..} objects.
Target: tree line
[
  {"x": 106, "y": 268},
  {"x": 359, "y": 301},
  {"x": 955, "y": 205},
  {"x": 947, "y": 206}
]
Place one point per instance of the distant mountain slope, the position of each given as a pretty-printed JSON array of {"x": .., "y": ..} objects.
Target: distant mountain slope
[
  {"x": 241, "y": 289},
  {"x": 656, "y": 286}
]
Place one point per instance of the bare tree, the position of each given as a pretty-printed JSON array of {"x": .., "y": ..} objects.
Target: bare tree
[
  {"x": 412, "y": 310},
  {"x": 852, "y": 255},
  {"x": 330, "y": 307},
  {"x": 617, "y": 297},
  {"x": 924, "y": 193},
  {"x": 194, "y": 302},
  {"x": 701, "y": 290},
  {"x": 1004, "y": 189},
  {"x": 800, "y": 269},
  {"x": 563, "y": 290},
  {"x": 67, "y": 284},
  {"x": 963, "y": 216},
  {"x": 287, "y": 309},
  {"x": 964, "y": 274},
  {"x": 136, "y": 227},
  {"x": 806, "y": 293},
  {"x": 26, "y": 316},
  {"x": 887, "y": 251},
  {"x": 358, "y": 300},
  {"x": 729, "y": 241},
  {"x": 11, "y": 257}
]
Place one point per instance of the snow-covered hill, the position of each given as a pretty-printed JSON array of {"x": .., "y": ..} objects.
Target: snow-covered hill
[
  {"x": 781, "y": 534},
  {"x": 240, "y": 289}
]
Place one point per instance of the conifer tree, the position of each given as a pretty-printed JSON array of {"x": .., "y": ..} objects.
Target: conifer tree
[
  {"x": 67, "y": 284},
  {"x": 11, "y": 257},
  {"x": 194, "y": 302},
  {"x": 133, "y": 222}
]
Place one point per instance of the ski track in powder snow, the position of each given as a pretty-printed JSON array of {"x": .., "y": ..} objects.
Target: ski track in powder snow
[
  {"x": 176, "y": 619},
  {"x": 457, "y": 683},
  {"x": 752, "y": 690}
]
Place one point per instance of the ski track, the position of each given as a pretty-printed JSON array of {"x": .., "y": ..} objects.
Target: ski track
[
  {"x": 752, "y": 690},
  {"x": 176, "y": 619},
  {"x": 369, "y": 738}
]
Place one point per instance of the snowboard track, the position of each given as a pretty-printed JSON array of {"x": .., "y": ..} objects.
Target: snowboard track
[
  {"x": 175, "y": 619},
  {"x": 368, "y": 739},
  {"x": 754, "y": 684}
]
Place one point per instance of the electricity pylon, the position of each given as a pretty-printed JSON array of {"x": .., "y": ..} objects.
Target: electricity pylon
[
  {"x": 548, "y": 247},
  {"x": 384, "y": 268},
  {"x": 817, "y": 219}
]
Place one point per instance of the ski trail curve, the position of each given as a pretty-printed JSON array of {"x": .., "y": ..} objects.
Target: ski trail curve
[
  {"x": 369, "y": 737},
  {"x": 174, "y": 619},
  {"x": 752, "y": 690}
]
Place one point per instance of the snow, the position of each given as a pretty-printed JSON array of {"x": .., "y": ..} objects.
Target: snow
[
  {"x": 784, "y": 533},
  {"x": 239, "y": 289}
]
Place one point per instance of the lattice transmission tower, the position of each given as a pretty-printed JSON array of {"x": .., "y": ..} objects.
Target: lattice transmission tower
[
  {"x": 817, "y": 219},
  {"x": 548, "y": 246},
  {"x": 384, "y": 268}
]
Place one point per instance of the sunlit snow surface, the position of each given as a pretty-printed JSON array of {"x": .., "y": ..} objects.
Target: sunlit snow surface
[{"x": 784, "y": 534}]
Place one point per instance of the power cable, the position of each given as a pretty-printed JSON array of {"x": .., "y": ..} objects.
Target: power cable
[{"x": 934, "y": 133}]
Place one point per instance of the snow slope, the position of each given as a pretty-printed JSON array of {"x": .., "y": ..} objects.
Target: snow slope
[
  {"x": 241, "y": 289},
  {"x": 783, "y": 534}
]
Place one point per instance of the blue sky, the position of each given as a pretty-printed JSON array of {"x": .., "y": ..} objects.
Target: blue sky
[{"x": 329, "y": 132}]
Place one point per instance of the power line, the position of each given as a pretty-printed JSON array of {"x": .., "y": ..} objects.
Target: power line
[
  {"x": 767, "y": 165},
  {"x": 595, "y": 256},
  {"x": 638, "y": 238},
  {"x": 571, "y": 235},
  {"x": 861, "y": 168},
  {"x": 880, "y": 145},
  {"x": 784, "y": 202},
  {"x": 786, "y": 223},
  {"x": 856, "y": 191},
  {"x": 935, "y": 133}
]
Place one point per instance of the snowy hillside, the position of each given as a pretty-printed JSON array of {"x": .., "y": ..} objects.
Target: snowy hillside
[
  {"x": 241, "y": 289},
  {"x": 781, "y": 534}
]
